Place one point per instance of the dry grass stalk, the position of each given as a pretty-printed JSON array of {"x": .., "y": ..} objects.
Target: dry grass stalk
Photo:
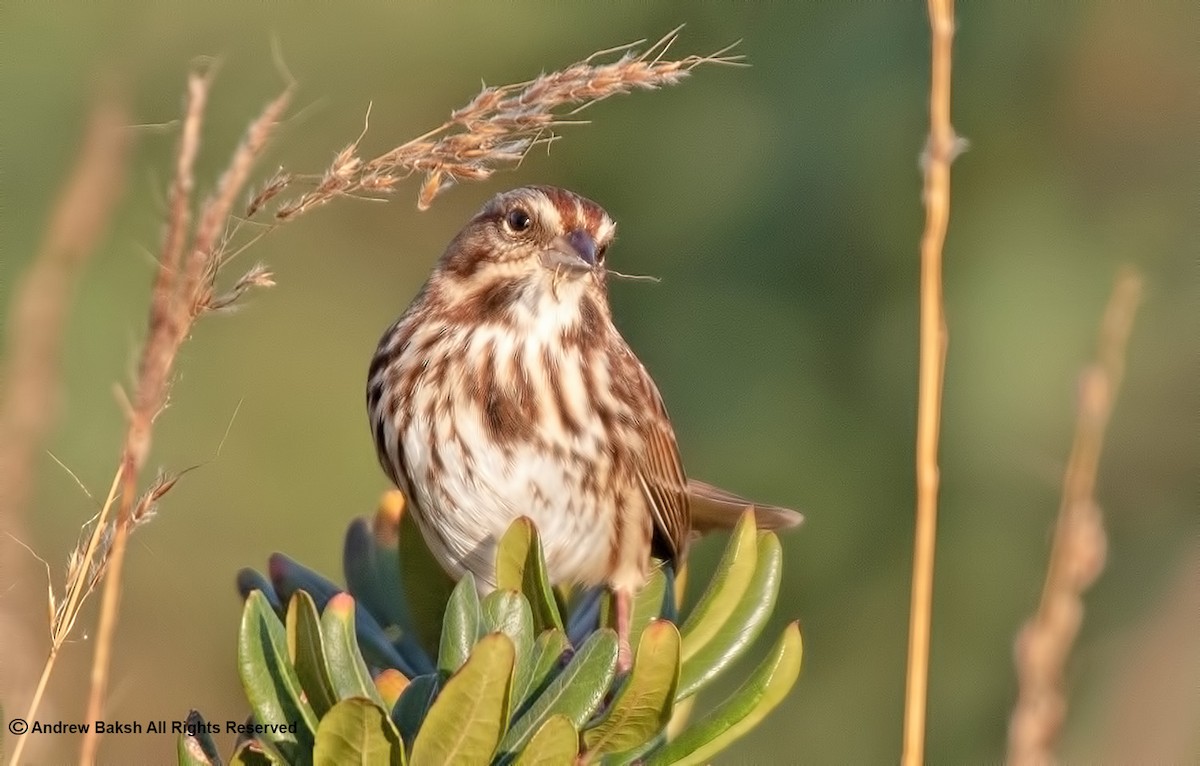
[
  {"x": 183, "y": 292},
  {"x": 941, "y": 149},
  {"x": 495, "y": 130},
  {"x": 1078, "y": 551},
  {"x": 34, "y": 348}
]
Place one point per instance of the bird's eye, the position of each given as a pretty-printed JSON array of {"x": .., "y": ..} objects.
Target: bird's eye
[{"x": 517, "y": 220}]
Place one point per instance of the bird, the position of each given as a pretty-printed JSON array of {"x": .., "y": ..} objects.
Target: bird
[{"x": 506, "y": 390}]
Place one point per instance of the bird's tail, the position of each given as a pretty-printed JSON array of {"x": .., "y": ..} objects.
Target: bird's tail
[{"x": 715, "y": 508}]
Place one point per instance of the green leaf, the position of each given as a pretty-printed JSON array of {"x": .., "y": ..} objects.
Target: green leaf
[
  {"x": 250, "y": 753},
  {"x": 197, "y": 749},
  {"x": 371, "y": 563},
  {"x": 555, "y": 743},
  {"x": 521, "y": 566},
  {"x": 544, "y": 657},
  {"x": 643, "y": 706},
  {"x": 357, "y": 731},
  {"x": 469, "y": 716},
  {"x": 307, "y": 652},
  {"x": 427, "y": 587},
  {"x": 743, "y": 710},
  {"x": 647, "y": 606},
  {"x": 507, "y": 612},
  {"x": 347, "y": 671},
  {"x": 726, "y": 589},
  {"x": 460, "y": 628},
  {"x": 414, "y": 703},
  {"x": 270, "y": 681},
  {"x": 744, "y": 624},
  {"x": 576, "y": 692}
]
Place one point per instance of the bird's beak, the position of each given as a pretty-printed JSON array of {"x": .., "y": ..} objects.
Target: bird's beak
[{"x": 575, "y": 251}]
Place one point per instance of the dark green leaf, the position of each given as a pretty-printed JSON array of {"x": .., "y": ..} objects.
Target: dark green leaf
[
  {"x": 250, "y": 580},
  {"x": 427, "y": 587},
  {"x": 357, "y": 731},
  {"x": 198, "y": 748},
  {"x": 372, "y": 574},
  {"x": 270, "y": 681},
  {"x": 413, "y": 705},
  {"x": 250, "y": 753}
]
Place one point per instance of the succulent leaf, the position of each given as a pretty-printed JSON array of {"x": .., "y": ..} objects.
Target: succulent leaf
[
  {"x": 347, "y": 669},
  {"x": 545, "y": 656},
  {"x": 306, "y": 650},
  {"x": 576, "y": 692},
  {"x": 521, "y": 566},
  {"x": 429, "y": 586},
  {"x": 743, "y": 710},
  {"x": 410, "y": 710},
  {"x": 507, "y": 612},
  {"x": 197, "y": 749},
  {"x": 460, "y": 630},
  {"x": 744, "y": 624},
  {"x": 354, "y": 731},
  {"x": 555, "y": 743},
  {"x": 269, "y": 680},
  {"x": 728, "y": 586},
  {"x": 470, "y": 715},
  {"x": 390, "y": 684},
  {"x": 644, "y": 704}
]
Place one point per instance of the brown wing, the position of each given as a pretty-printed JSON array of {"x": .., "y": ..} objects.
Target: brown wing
[
  {"x": 660, "y": 472},
  {"x": 716, "y": 508}
]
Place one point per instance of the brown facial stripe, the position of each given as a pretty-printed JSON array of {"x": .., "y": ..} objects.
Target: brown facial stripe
[{"x": 575, "y": 212}]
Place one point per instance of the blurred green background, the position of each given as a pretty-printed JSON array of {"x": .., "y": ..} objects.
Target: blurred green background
[{"x": 780, "y": 206}]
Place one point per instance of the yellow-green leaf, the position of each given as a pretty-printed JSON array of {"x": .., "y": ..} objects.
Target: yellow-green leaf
[
  {"x": 307, "y": 651},
  {"x": 357, "y": 731},
  {"x": 729, "y": 582},
  {"x": 521, "y": 566},
  {"x": 470, "y": 714},
  {"x": 742, "y": 711},
  {"x": 744, "y": 624},
  {"x": 347, "y": 669},
  {"x": 556, "y": 743},
  {"x": 643, "y": 706}
]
